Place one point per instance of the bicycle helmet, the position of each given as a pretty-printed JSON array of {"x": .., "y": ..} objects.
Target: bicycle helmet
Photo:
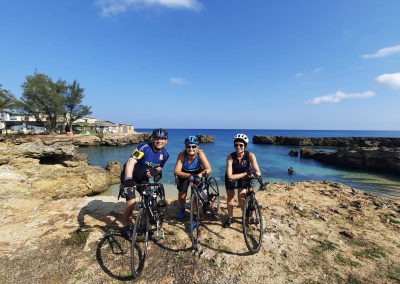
[
  {"x": 190, "y": 140},
  {"x": 159, "y": 133},
  {"x": 241, "y": 138}
]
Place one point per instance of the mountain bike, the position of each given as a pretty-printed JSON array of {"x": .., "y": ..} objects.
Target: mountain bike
[
  {"x": 151, "y": 214},
  {"x": 252, "y": 219},
  {"x": 208, "y": 195}
]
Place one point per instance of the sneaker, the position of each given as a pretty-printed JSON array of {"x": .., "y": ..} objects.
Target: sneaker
[
  {"x": 181, "y": 212},
  {"x": 126, "y": 232},
  {"x": 194, "y": 225},
  {"x": 228, "y": 222}
]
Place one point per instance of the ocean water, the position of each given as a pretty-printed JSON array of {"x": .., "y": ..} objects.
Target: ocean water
[{"x": 272, "y": 159}]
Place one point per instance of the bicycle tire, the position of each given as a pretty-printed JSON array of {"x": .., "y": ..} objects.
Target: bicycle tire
[
  {"x": 139, "y": 245},
  {"x": 252, "y": 224},
  {"x": 159, "y": 209},
  {"x": 194, "y": 233},
  {"x": 213, "y": 195}
]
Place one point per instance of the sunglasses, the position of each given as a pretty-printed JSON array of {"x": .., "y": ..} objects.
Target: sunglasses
[
  {"x": 194, "y": 147},
  {"x": 239, "y": 145}
]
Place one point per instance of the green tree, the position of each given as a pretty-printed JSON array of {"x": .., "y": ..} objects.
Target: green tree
[
  {"x": 72, "y": 104},
  {"x": 7, "y": 101},
  {"x": 43, "y": 99}
]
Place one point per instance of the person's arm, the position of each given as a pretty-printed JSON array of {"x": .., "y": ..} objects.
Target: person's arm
[
  {"x": 253, "y": 162},
  {"x": 229, "y": 163},
  {"x": 178, "y": 166},
  {"x": 130, "y": 165},
  {"x": 206, "y": 165}
]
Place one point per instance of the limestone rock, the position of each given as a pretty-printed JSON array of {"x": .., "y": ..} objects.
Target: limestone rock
[
  {"x": 205, "y": 138},
  {"x": 328, "y": 141},
  {"x": 115, "y": 169},
  {"x": 381, "y": 159},
  {"x": 49, "y": 172}
]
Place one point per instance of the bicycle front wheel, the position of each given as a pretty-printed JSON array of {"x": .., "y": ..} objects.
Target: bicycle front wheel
[
  {"x": 213, "y": 195},
  {"x": 252, "y": 224},
  {"x": 140, "y": 237},
  {"x": 194, "y": 219}
]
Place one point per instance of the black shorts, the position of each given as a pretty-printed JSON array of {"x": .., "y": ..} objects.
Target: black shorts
[
  {"x": 130, "y": 193},
  {"x": 184, "y": 185},
  {"x": 239, "y": 183}
]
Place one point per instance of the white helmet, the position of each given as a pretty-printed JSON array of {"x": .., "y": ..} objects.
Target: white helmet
[{"x": 242, "y": 138}]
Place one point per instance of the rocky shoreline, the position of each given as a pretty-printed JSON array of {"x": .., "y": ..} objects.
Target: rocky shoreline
[
  {"x": 75, "y": 140},
  {"x": 369, "y": 158},
  {"x": 328, "y": 141}
]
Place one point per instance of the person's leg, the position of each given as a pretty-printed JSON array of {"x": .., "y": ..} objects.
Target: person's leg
[
  {"x": 230, "y": 201},
  {"x": 182, "y": 198},
  {"x": 241, "y": 196},
  {"x": 130, "y": 204},
  {"x": 183, "y": 186}
]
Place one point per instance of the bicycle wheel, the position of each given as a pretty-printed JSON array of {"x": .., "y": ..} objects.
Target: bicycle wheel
[
  {"x": 139, "y": 244},
  {"x": 194, "y": 219},
  {"x": 159, "y": 209},
  {"x": 213, "y": 195},
  {"x": 252, "y": 224}
]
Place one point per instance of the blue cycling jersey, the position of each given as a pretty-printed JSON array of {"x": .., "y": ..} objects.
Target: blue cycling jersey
[{"x": 147, "y": 158}]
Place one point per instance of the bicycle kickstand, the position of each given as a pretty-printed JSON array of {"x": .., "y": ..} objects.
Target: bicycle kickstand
[{"x": 160, "y": 234}]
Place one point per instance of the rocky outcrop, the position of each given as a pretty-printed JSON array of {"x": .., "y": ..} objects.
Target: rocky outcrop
[
  {"x": 77, "y": 140},
  {"x": 376, "y": 158},
  {"x": 328, "y": 141},
  {"x": 294, "y": 153},
  {"x": 205, "y": 138},
  {"x": 115, "y": 169},
  {"x": 53, "y": 172}
]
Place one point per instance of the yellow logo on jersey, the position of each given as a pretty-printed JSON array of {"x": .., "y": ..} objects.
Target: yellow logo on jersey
[{"x": 161, "y": 156}]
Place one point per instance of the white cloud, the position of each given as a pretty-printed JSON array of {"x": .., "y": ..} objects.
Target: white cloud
[
  {"x": 336, "y": 97},
  {"x": 388, "y": 81},
  {"x": 317, "y": 70},
  {"x": 113, "y": 7},
  {"x": 179, "y": 81},
  {"x": 384, "y": 52},
  {"x": 298, "y": 75}
]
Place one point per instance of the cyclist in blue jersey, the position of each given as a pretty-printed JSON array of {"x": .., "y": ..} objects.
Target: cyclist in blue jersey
[
  {"x": 146, "y": 162},
  {"x": 237, "y": 165},
  {"x": 190, "y": 162}
]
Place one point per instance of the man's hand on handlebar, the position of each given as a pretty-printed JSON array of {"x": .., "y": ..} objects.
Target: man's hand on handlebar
[{"x": 152, "y": 172}]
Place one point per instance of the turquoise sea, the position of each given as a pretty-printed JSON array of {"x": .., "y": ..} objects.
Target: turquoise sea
[{"x": 272, "y": 159}]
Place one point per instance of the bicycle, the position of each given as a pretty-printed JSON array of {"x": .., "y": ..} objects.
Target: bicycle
[
  {"x": 208, "y": 195},
  {"x": 252, "y": 219},
  {"x": 152, "y": 205}
]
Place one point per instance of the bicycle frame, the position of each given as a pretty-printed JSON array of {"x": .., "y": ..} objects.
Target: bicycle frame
[{"x": 147, "y": 190}]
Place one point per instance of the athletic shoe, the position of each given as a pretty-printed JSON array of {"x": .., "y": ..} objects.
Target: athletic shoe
[
  {"x": 126, "y": 232},
  {"x": 194, "y": 225},
  {"x": 181, "y": 212},
  {"x": 228, "y": 222}
]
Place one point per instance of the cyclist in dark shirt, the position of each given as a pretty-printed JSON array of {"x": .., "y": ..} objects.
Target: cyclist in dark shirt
[
  {"x": 191, "y": 161},
  {"x": 237, "y": 165},
  {"x": 146, "y": 162}
]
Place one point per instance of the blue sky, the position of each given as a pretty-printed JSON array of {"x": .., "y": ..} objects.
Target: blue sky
[{"x": 259, "y": 64}]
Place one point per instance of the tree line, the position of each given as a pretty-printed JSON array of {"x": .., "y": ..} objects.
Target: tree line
[{"x": 47, "y": 101}]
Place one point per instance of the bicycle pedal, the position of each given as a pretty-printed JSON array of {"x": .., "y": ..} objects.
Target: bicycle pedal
[{"x": 161, "y": 236}]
